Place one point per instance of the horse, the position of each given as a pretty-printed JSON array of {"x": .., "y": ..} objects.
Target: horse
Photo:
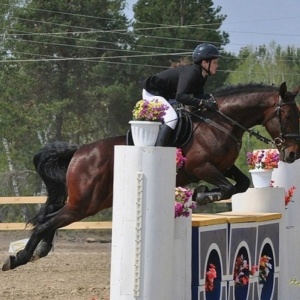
[{"x": 79, "y": 179}]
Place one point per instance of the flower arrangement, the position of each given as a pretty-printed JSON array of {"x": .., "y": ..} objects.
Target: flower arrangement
[
  {"x": 242, "y": 271},
  {"x": 211, "y": 275},
  {"x": 183, "y": 204},
  {"x": 264, "y": 268},
  {"x": 145, "y": 110},
  {"x": 266, "y": 159},
  {"x": 288, "y": 194},
  {"x": 180, "y": 159}
]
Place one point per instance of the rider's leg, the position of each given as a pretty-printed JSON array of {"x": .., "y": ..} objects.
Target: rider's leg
[
  {"x": 170, "y": 119},
  {"x": 164, "y": 135}
]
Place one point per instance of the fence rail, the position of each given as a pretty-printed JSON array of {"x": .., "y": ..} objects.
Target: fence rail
[{"x": 42, "y": 199}]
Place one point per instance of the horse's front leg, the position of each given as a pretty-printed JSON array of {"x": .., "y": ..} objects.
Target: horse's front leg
[
  {"x": 23, "y": 256},
  {"x": 210, "y": 174},
  {"x": 242, "y": 181}
]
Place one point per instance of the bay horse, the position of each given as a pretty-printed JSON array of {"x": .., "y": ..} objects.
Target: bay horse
[{"x": 79, "y": 179}]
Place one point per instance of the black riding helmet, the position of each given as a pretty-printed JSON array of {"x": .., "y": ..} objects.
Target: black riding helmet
[{"x": 205, "y": 52}]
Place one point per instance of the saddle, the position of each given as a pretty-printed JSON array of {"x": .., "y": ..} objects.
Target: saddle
[{"x": 183, "y": 131}]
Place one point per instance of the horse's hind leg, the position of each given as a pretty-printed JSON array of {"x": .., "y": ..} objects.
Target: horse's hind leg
[
  {"x": 45, "y": 246},
  {"x": 23, "y": 256},
  {"x": 65, "y": 216}
]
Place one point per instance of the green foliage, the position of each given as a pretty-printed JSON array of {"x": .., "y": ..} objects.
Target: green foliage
[
  {"x": 174, "y": 28},
  {"x": 268, "y": 65}
]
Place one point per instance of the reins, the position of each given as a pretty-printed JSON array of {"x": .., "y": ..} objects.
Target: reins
[
  {"x": 225, "y": 130},
  {"x": 278, "y": 141},
  {"x": 251, "y": 132}
]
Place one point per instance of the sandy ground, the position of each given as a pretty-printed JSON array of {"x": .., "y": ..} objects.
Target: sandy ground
[{"x": 78, "y": 268}]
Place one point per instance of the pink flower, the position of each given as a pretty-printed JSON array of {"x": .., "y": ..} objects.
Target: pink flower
[
  {"x": 263, "y": 159},
  {"x": 183, "y": 203},
  {"x": 180, "y": 159}
]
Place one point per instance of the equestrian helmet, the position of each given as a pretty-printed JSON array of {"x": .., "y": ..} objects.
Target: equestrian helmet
[{"x": 205, "y": 52}]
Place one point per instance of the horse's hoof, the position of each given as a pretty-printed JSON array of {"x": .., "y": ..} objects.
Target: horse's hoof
[
  {"x": 201, "y": 199},
  {"x": 34, "y": 258},
  {"x": 7, "y": 264},
  {"x": 205, "y": 198}
]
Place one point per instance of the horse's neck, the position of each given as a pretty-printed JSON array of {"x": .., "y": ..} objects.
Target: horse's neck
[{"x": 248, "y": 110}]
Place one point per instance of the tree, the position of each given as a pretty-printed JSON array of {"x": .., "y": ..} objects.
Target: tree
[
  {"x": 268, "y": 65},
  {"x": 62, "y": 44},
  {"x": 169, "y": 31},
  {"x": 56, "y": 78}
]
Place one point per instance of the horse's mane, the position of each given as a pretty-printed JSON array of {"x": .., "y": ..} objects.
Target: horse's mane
[{"x": 244, "y": 89}]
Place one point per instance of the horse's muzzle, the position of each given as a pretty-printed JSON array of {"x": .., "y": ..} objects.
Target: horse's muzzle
[{"x": 290, "y": 158}]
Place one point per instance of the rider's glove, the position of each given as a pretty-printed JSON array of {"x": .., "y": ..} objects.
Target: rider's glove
[{"x": 209, "y": 103}]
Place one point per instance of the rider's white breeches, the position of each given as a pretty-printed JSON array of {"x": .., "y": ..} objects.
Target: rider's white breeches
[{"x": 170, "y": 117}]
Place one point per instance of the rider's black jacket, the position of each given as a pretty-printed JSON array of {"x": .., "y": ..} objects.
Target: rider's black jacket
[{"x": 185, "y": 84}]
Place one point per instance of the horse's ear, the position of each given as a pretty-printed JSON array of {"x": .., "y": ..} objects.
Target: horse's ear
[
  {"x": 295, "y": 91},
  {"x": 282, "y": 90}
]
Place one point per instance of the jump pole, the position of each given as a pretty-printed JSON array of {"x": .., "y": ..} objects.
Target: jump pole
[{"x": 143, "y": 223}]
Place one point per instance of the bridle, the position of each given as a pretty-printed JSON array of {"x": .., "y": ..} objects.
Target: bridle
[
  {"x": 293, "y": 136},
  {"x": 280, "y": 140},
  {"x": 277, "y": 141}
]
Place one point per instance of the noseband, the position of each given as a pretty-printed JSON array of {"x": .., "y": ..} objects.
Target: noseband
[
  {"x": 279, "y": 141},
  {"x": 283, "y": 135}
]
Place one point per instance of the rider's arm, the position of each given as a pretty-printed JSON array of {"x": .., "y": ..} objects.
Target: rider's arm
[{"x": 190, "y": 83}]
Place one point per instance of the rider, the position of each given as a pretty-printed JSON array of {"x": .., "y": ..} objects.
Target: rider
[{"x": 185, "y": 84}]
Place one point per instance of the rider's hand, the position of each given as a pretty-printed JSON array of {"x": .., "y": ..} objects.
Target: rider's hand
[{"x": 209, "y": 103}]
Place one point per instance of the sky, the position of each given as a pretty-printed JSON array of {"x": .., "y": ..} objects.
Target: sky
[{"x": 257, "y": 22}]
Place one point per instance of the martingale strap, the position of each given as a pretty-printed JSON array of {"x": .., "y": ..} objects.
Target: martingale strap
[
  {"x": 223, "y": 129},
  {"x": 219, "y": 127}
]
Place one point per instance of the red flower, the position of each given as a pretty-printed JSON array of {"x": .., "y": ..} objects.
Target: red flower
[
  {"x": 211, "y": 275},
  {"x": 289, "y": 195},
  {"x": 241, "y": 270}
]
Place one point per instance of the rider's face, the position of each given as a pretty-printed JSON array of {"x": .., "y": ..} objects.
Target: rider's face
[{"x": 212, "y": 67}]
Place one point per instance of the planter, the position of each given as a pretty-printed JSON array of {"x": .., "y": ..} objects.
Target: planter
[
  {"x": 144, "y": 133},
  {"x": 261, "y": 177}
]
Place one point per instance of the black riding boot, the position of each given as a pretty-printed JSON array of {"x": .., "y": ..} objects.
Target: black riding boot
[{"x": 164, "y": 135}]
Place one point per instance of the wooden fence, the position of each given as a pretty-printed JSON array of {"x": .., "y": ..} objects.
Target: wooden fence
[{"x": 42, "y": 199}]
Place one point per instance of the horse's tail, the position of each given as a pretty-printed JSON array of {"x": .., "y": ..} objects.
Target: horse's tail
[{"x": 51, "y": 163}]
